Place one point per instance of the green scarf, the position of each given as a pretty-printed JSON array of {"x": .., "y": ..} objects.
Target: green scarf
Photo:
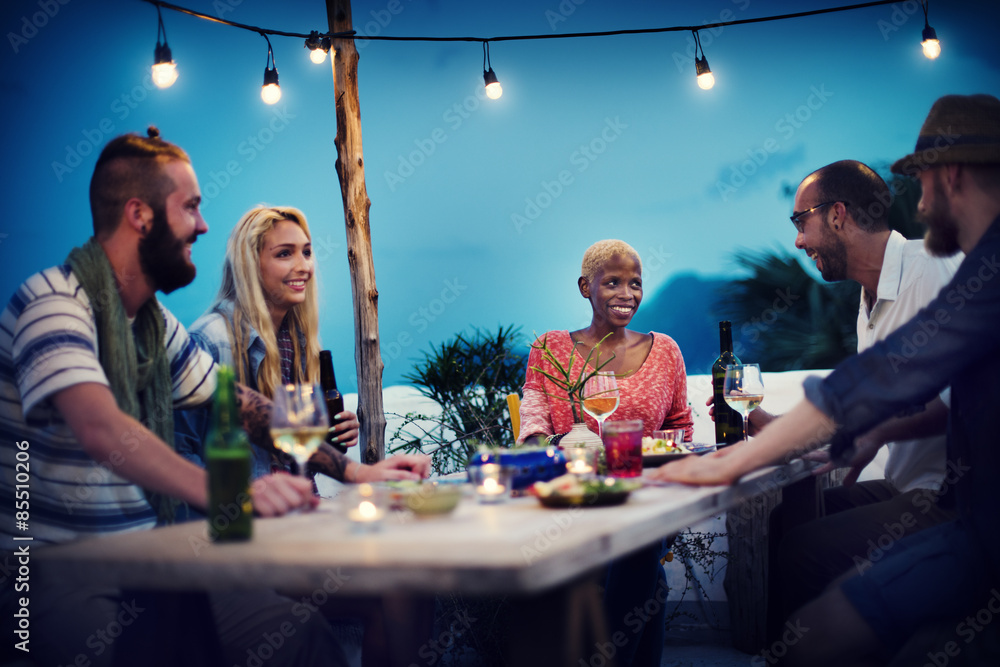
[{"x": 134, "y": 358}]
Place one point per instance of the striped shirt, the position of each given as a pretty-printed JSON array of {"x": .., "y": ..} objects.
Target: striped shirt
[{"x": 48, "y": 342}]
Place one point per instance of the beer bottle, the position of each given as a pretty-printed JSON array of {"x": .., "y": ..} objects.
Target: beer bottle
[
  {"x": 334, "y": 401},
  {"x": 228, "y": 457}
]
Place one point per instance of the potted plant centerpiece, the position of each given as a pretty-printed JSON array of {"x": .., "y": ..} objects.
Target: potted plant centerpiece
[{"x": 572, "y": 379}]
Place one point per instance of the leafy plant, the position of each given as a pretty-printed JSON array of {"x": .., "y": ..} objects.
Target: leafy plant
[
  {"x": 572, "y": 385},
  {"x": 469, "y": 377}
]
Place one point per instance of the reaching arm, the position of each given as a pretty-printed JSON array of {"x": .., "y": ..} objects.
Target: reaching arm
[
  {"x": 125, "y": 446},
  {"x": 803, "y": 428},
  {"x": 256, "y": 411},
  {"x": 132, "y": 451},
  {"x": 332, "y": 463}
]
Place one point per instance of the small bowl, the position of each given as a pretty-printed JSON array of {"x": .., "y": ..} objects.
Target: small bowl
[{"x": 432, "y": 499}]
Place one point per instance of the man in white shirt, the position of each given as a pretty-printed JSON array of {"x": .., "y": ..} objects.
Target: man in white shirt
[{"x": 841, "y": 221}]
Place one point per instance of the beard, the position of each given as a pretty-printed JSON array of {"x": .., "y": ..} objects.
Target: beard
[
  {"x": 834, "y": 256},
  {"x": 941, "y": 239},
  {"x": 162, "y": 255}
]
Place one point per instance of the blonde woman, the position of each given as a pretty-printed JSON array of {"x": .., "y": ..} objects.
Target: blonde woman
[
  {"x": 265, "y": 318},
  {"x": 265, "y": 324}
]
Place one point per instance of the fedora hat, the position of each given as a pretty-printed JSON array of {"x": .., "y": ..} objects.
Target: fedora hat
[{"x": 960, "y": 129}]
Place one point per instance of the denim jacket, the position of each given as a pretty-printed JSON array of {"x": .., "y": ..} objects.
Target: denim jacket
[
  {"x": 954, "y": 340},
  {"x": 211, "y": 333}
]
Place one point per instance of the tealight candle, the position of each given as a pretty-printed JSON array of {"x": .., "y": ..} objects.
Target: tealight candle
[
  {"x": 491, "y": 482},
  {"x": 365, "y": 507},
  {"x": 580, "y": 461}
]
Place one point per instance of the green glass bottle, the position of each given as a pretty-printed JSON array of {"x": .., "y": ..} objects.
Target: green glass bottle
[
  {"x": 728, "y": 422},
  {"x": 228, "y": 456}
]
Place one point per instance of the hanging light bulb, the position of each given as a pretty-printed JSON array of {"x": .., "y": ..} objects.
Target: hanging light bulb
[
  {"x": 703, "y": 72},
  {"x": 318, "y": 47},
  {"x": 705, "y": 77},
  {"x": 932, "y": 47},
  {"x": 317, "y": 56},
  {"x": 270, "y": 92},
  {"x": 164, "y": 67},
  {"x": 493, "y": 88},
  {"x": 930, "y": 43}
]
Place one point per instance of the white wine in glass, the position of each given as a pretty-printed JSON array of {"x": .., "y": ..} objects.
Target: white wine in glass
[
  {"x": 299, "y": 422},
  {"x": 601, "y": 398},
  {"x": 743, "y": 390}
]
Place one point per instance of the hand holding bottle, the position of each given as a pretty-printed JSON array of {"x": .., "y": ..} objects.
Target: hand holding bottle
[
  {"x": 344, "y": 431},
  {"x": 336, "y": 437}
]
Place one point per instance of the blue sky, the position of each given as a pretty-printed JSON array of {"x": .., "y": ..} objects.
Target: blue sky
[{"x": 481, "y": 209}]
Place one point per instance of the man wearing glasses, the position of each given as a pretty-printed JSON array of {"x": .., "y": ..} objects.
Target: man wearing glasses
[
  {"x": 932, "y": 596},
  {"x": 841, "y": 221}
]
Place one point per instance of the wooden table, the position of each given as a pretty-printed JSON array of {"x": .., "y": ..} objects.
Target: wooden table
[{"x": 544, "y": 557}]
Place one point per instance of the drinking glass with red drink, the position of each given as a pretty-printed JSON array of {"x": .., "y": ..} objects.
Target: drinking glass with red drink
[{"x": 623, "y": 447}]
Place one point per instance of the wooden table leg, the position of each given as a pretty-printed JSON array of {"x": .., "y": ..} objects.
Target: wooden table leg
[
  {"x": 408, "y": 621},
  {"x": 564, "y": 626}
]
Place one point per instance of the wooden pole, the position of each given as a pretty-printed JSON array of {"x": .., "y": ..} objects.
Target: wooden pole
[{"x": 351, "y": 173}]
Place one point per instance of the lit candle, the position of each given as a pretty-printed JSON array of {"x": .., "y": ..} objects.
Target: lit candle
[
  {"x": 365, "y": 512},
  {"x": 579, "y": 461},
  {"x": 489, "y": 485}
]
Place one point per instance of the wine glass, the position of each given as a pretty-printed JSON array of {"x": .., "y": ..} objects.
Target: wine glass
[
  {"x": 299, "y": 421},
  {"x": 601, "y": 397},
  {"x": 743, "y": 390}
]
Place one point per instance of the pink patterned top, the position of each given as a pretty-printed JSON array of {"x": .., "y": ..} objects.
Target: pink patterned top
[{"x": 656, "y": 393}]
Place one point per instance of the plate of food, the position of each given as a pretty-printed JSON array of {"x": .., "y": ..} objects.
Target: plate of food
[
  {"x": 657, "y": 451},
  {"x": 576, "y": 491}
]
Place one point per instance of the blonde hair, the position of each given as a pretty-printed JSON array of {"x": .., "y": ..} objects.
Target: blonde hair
[
  {"x": 242, "y": 286},
  {"x": 601, "y": 252}
]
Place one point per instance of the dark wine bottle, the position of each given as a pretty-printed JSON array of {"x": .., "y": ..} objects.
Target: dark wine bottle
[
  {"x": 728, "y": 422},
  {"x": 227, "y": 457},
  {"x": 334, "y": 401}
]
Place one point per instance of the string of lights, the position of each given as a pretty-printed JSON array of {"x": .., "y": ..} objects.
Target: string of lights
[{"x": 319, "y": 43}]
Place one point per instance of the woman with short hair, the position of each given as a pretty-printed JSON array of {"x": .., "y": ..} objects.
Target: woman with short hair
[
  {"x": 649, "y": 366},
  {"x": 653, "y": 388}
]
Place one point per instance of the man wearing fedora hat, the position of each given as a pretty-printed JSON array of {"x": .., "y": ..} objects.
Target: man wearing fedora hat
[{"x": 946, "y": 573}]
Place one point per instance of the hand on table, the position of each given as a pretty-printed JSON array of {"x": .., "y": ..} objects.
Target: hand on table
[
  {"x": 280, "y": 493},
  {"x": 707, "y": 470},
  {"x": 401, "y": 466},
  {"x": 759, "y": 417},
  {"x": 346, "y": 430}
]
